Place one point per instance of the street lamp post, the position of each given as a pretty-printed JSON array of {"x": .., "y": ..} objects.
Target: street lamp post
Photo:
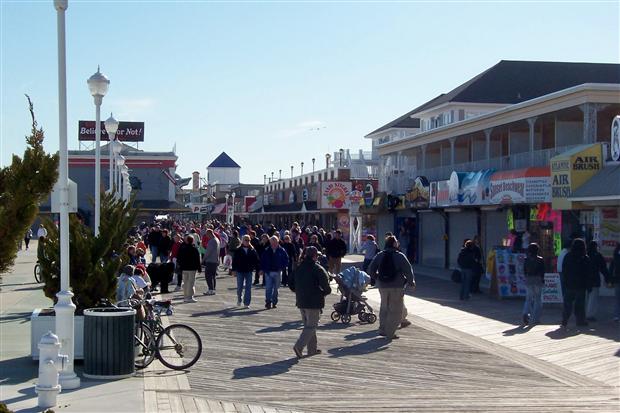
[
  {"x": 120, "y": 162},
  {"x": 64, "y": 308},
  {"x": 341, "y": 155},
  {"x": 98, "y": 85},
  {"x": 302, "y": 168},
  {"x": 117, "y": 148},
  {"x": 313, "y": 161},
  {"x": 291, "y": 171},
  {"x": 111, "y": 126}
]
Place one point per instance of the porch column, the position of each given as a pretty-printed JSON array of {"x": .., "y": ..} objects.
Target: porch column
[
  {"x": 452, "y": 140},
  {"x": 423, "y": 150},
  {"x": 589, "y": 122},
  {"x": 487, "y": 147},
  {"x": 532, "y": 123}
]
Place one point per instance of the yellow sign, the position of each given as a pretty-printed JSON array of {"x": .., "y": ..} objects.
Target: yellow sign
[{"x": 572, "y": 169}]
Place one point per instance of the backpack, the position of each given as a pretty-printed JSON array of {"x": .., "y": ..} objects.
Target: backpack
[{"x": 387, "y": 269}]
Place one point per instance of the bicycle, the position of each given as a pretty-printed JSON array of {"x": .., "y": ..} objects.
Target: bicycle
[
  {"x": 177, "y": 346},
  {"x": 37, "y": 272}
]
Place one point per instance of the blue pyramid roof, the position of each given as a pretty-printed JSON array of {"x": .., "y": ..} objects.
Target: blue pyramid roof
[{"x": 223, "y": 161}]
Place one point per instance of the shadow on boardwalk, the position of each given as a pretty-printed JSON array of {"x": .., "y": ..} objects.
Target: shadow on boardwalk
[
  {"x": 264, "y": 370},
  {"x": 445, "y": 293}
]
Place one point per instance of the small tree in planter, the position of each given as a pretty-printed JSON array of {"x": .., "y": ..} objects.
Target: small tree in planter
[
  {"x": 94, "y": 260},
  {"x": 24, "y": 184}
]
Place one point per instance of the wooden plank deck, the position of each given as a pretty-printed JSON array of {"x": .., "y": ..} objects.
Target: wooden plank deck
[
  {"x": 248, "y": 365},
  {"x": 591, "y": 352}
]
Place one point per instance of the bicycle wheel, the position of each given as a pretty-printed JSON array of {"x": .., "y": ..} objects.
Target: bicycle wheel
[
  {"x": 37, "y": 272},
  {"x": 179, "y": 347},
  {"x": 145, "y": 347}
]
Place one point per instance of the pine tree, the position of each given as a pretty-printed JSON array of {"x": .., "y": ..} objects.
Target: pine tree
[
  {"x": 23, "y": 185},
  {"x": 94, "y": 261}
]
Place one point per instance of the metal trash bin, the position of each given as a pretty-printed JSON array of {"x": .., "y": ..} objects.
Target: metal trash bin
[{"x": 109, "y": 343}]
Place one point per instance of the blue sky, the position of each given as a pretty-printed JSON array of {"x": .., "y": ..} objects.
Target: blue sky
[{"x": 252, "y": 78}]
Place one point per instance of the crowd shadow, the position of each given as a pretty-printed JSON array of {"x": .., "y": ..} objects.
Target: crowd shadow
[
  {"x": 229, "y": 312},
  {"x": 264, "y": 370},
  {"x": 517, "y": 330}
]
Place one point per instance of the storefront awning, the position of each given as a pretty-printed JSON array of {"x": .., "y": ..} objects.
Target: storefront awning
[
  {"x": 600, "y": 190},
  {"x": 219, "y": 209}
]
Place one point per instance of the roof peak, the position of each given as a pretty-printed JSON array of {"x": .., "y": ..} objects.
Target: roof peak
[{"x": 223, "y": 161}]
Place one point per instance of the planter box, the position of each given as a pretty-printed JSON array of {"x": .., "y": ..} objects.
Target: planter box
[{"x": 43, "y": 320}]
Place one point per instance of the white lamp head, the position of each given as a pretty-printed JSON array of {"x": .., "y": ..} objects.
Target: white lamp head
[
  {"x": 111, "y": 125},
  {"x": 98, "y": 84}
]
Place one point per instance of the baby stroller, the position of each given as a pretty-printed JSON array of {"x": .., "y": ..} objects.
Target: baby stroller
[{"x": 351, "y": 283}]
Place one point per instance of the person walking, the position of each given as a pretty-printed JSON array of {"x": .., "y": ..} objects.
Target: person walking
[
  {"x": 597, "y": 267},
  {"x": 259, "y": 245},
  {"x": 188, "y": 259},
  {"x": 273, "y": 261},
  {"x": 164, "y": 246},
  {"x": 576, "y": 268},
  {"x": 244, "y": 263},
  {"x": 233, "y": 244},
  {"x": 335, "y": 249},
  {"x": 153, "y": 241},
  {"x": 174, "y": 251},
  {"x": 613, "y": 280},
  {"x": 393, "y": 273},
  {"x": 534, "y": 269},
  {"x": 291, "y": 251},
  {"x": 369, "y": 249},
  {"x": 28, "y": 237},
  {"x": 478, "y": 268},
  {"x": 41, "y": 232},
  {"x": 467, "y": 263},
  {"x": 211, "y": 261},
  {"x": 310, "y": 283}
]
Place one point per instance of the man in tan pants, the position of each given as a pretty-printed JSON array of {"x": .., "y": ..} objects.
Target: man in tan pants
[
  {"x": 188, "y": 259},
  {"x": 393, "y": 272}
]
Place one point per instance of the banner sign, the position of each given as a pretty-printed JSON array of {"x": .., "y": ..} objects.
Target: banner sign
[
  {"x": 419, "y": 195},
  {"x": 127, "y": 131},
  {"x": 572, "y": 169},
  {"x": 470, "y": 188},
  {"x": 443, "y": 194},
  {"x": 615, "y": 139},
  {"x": 521, "y": 186},
  {"x": 334, "y": 195},
  {"x": 552, "y": 290},
  {"x": 510, "y": 276}
]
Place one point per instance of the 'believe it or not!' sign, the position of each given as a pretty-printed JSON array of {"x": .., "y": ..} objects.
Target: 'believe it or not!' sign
[{"x": 127, "y": 131}]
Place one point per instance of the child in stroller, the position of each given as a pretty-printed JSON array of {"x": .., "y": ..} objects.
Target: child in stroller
[{"x": 351, "y": 283}]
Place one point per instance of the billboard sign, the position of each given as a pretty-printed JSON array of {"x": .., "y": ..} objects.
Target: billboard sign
[{"x": 127, "y": 131}]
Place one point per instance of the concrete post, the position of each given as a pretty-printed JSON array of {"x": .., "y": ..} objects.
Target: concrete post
[
  {"x": 589, "y": 122},
  {"x": 487, "y": 147},
  {"x": 531, "y": 123},
  {"x": 452, "y": 141}
]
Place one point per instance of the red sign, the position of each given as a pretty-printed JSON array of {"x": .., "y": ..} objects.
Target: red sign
[{"x": 127, "y": 131}]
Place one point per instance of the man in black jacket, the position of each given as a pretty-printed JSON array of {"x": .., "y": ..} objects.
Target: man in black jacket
[
  {"x": 335, "y": 249},
  {"x": 576, "y": 268},
  {"x": 188, "y": 259},
  {"x": 310, "y": 284}
]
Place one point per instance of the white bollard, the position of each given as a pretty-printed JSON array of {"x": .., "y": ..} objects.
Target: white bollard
[{"x": 50, "y": 364}]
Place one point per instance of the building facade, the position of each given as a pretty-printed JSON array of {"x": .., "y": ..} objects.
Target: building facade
[{"x": 477, "y": 162}]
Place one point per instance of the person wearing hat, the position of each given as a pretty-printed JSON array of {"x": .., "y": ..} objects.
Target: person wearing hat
[{"x": 310, "y": 283}]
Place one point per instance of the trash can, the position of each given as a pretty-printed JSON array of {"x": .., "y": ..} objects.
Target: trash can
[{"x": 109, "y": 343}]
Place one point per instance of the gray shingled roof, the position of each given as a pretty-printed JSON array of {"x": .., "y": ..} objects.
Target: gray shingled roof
[{"x": 514, "y": 81}]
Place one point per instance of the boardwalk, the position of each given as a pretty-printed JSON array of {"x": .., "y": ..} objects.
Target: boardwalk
[{"x": 248, "y": 365}]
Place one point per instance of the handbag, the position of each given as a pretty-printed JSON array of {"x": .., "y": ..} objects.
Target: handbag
[{"x": 456, "y": 276}]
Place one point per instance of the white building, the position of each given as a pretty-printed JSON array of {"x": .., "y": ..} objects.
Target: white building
[{"x": 223, "y": 172}]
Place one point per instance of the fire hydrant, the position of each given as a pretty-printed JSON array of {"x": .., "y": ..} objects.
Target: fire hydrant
[{"x": 50, "y": 364}]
